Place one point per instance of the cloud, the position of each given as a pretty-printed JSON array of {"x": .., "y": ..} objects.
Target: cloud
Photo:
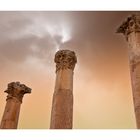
[
  {"x": 29, "y": 40},
  {"x": 28, "y": 34},
  {"x": 39, "y": 35}
]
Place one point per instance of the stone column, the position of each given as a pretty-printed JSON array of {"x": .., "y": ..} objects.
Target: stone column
[
  {"x": 15, "y": 92},
  {"x": 131, "y": 30},
  {"x": 62, "y": 105}
]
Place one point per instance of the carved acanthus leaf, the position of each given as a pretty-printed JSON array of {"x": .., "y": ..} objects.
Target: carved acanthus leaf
[
  {"x": 65, "y": 59},
  {"x": 132, "y": 24},
  {"x": 17, "y": 90}
]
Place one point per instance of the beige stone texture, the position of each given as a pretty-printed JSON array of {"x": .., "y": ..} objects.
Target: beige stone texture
[
  {"x": 11, "y": 114},
  {"x": 131, "y": 29},
  {"x": 15, "y": 92},
  {"x": 62, "y": 110},
  {"x": 62, "y": 104},
  {"x": 64, "y": 79}
]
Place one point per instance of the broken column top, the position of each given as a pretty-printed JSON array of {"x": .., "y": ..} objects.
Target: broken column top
[
  {"x": 17, "y": 90},
  {"x": 131, "y": 24},
  {"x": 65, "y": 59}
]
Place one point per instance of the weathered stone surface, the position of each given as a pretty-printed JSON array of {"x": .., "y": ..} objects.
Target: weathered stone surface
[
  {"x": 64, "y": 79},
  {"x": 131, "y": 29},
  {"x": 11, "y": 114},
  {"x": 62, "y": 104},
  {"x": 15, "y": 92},
  {"x": 132, "y": 24},
  {"x": 135, "y": 76},
  {"x": 62, "y": 109},
  {"x": 134, "y": 47},
  {"x": 65, "y": 59}
]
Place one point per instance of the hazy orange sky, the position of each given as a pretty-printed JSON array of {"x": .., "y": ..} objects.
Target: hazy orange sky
[{"x": 102, "y": 87}]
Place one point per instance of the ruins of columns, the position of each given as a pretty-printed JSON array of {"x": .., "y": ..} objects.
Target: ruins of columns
[
  {"x": 62, "y": 104},
  {"x": 15, "y": 92},
  {"x": 131, "y": 30}
]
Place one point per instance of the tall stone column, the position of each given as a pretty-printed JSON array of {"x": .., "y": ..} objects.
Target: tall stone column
[
  {"x": 15, "y": 92},
  {"x": 62, "y": 105},
  {"x": 131, "y": 30}
]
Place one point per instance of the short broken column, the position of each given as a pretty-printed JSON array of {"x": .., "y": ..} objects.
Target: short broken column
[
  {"x": 62, "y": 105},
  {"x": 15, "y": 92},
  {"x": 131, "y": 30}
]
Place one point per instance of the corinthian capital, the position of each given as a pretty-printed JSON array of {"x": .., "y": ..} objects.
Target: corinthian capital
[
  {"x": 65, "y": 59},
  {"x": 132, "y": 24},
  {"x": 17, "y": 90}
]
